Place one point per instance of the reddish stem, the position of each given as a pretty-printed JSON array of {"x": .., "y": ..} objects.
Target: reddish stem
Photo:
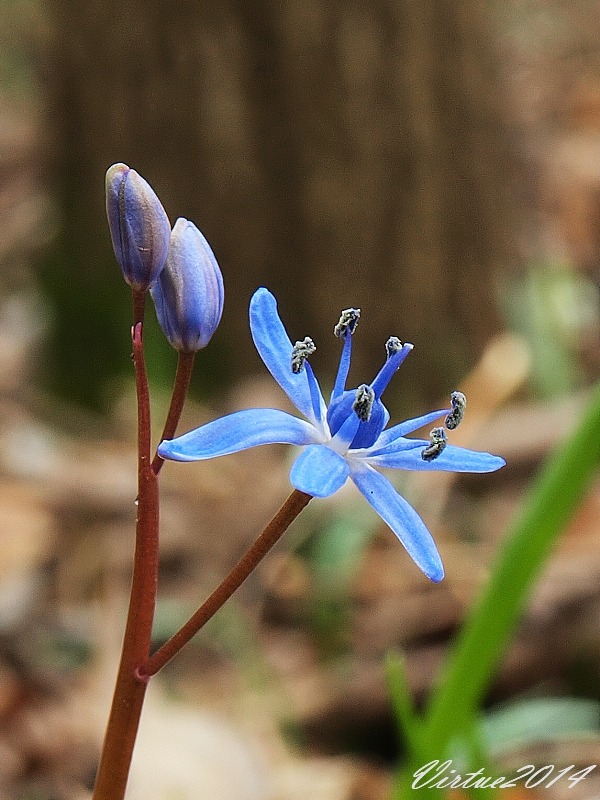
[
  {"x": 139, "y": 306},
  {"x": 185, "y": 365},
  {"x": 267, "y": 539},
  {"x": 130, "y": 688}
]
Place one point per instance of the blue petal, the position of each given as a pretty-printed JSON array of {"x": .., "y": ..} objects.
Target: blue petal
[
  {"x": 366, "y": 433},
  {"x": 371, "y": 453},
  {"x": 391, "y": 434},
  {"x": 452, "y": 459},
  {"x": 386, "y": 373},
  {"x": 275, "y": 349},
  {"x": 343, "y": 369},
  {"x": 317, "y": 400},
  {"x": 346, "y": 433},
  {"x": 319, "y": 471},
  {"x": 239, "y": 431},
  {"x": 402, "y": 519}
]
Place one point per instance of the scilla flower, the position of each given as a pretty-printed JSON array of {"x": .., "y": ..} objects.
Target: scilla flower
[
  {"x": 139, "y": 227},
  {"x": 188, "y": 294},
  {"x": 347, "y": 440}
]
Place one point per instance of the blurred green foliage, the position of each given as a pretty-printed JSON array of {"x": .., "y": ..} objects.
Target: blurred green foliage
[
  {"x": 553, "y": 306},
  {"x": 453, "y": 710}
]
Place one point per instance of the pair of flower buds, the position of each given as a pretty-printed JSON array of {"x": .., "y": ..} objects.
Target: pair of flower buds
[{"x": 177, "y": 266}]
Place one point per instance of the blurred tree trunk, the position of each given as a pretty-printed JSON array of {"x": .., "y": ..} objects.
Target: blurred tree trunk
[{"x": 339, "y": 153}]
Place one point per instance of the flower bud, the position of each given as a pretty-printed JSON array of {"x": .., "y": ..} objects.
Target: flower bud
[
  {"x": 188, "y": 294},
  {"x": 139, "y": 227}
]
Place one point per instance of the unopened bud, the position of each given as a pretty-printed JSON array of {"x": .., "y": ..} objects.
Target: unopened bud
[
  {"x": 188, "y": 295},
  {"x": 139, "y": 226}
]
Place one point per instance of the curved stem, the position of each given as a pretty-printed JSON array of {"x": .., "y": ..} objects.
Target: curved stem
[
  {"x": 185, "y": 365},
  {"x": 267, "y": 539},
  {"x": 130, "y": 688}
]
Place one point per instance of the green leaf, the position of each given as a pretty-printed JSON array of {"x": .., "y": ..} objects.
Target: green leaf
[{"x": 479, "y": 646}]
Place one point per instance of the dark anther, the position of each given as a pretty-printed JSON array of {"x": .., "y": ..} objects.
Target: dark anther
[
  {"x": 363, "y": 405},
  {"x": 392, "y": 346},
  {"x": 438, "y": 440},
  {"x": 459, "y": 404},
  {"x": 348, "y": 322},
  {"x": 300, "y": 352}
]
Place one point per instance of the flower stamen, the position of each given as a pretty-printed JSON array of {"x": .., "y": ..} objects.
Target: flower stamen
[
  {"x": 347, "y": 323},
  {"x": 438, "y": 441},
  {"x": 344, "y": 330},
  {"x": 396, "y": 353},
  {"x": 363, "y": 404},
  {"x": 300, "y": 352},
  {"x": 393, "y": 345},
  {"x": 459, "y": 404}
]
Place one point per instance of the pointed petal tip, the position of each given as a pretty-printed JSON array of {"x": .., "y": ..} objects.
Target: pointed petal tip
[
  {"x": 436, "y": 574},
  {"x": 261, "y": 293},
  {"x": 491, "y": 463},
  {"x": 170, "y": 450},
  {"x": 165, "y": 449},
  {"x": 430, "y": 564}
]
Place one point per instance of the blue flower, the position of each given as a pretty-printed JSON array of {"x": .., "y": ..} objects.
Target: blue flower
[
  {"x": 188, "y": 294},
  {"x": 347, "y": 440}
]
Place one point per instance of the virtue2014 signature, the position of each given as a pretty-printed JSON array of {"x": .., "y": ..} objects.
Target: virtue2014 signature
[{"x": 436, "y": 775}]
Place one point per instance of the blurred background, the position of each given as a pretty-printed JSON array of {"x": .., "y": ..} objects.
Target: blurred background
[{"x": 436, "y": 163}]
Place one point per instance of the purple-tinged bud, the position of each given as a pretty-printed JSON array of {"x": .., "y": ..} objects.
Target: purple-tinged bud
[
  {"x": 139, "y": 227},
  {"x": 189, "y": 292}
]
